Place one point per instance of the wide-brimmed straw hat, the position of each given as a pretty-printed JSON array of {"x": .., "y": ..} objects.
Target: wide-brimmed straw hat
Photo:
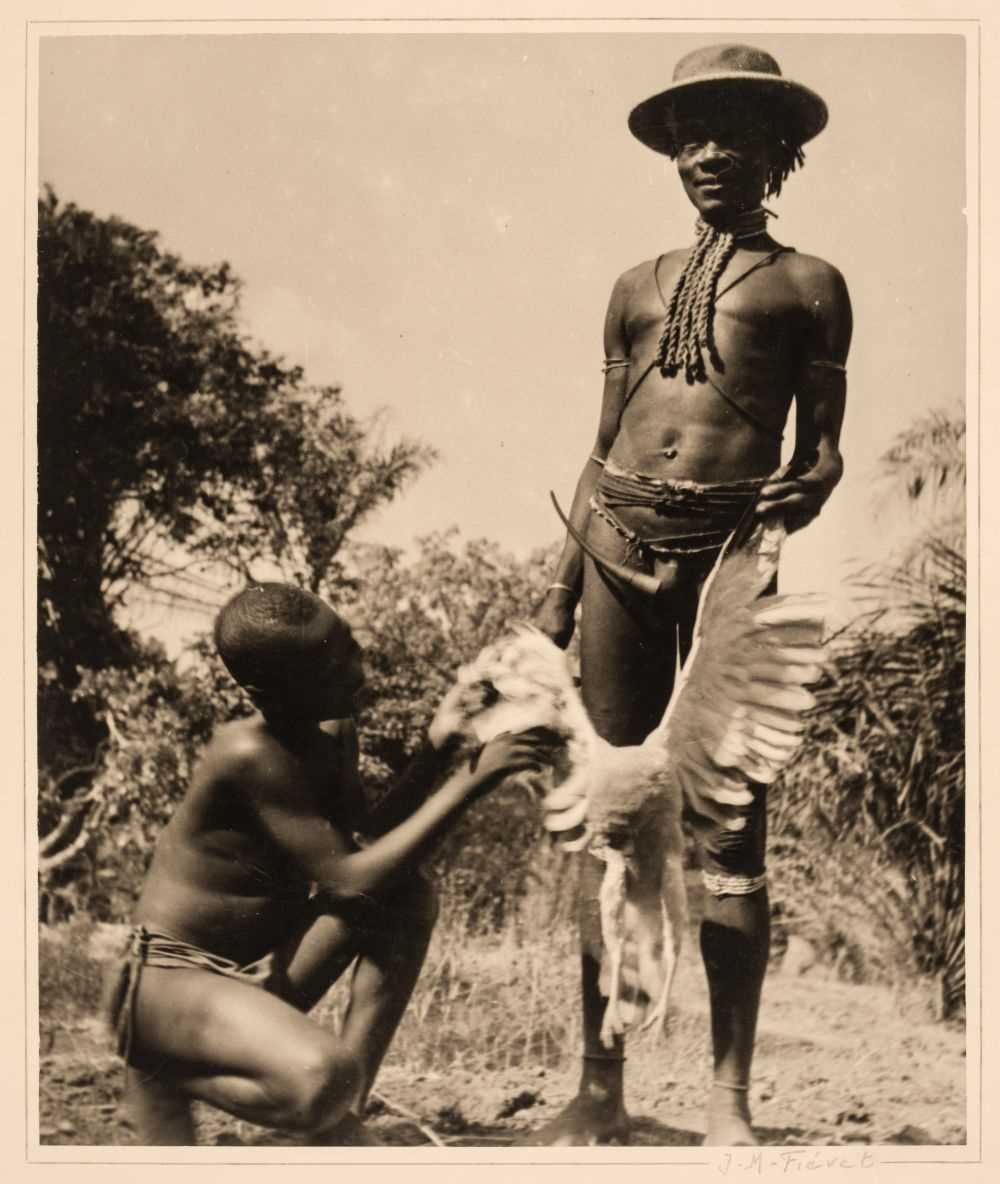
[{"x": 735, "y": 69}]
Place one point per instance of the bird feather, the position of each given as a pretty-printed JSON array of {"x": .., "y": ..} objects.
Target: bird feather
[{"x": 736, "y": 715}]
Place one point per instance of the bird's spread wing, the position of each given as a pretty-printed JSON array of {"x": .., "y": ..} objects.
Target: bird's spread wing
[
  {"x": 520, "y": 682},
  {"x": 736, "y": 711}
]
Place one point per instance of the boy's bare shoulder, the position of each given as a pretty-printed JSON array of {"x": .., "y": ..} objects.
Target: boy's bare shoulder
[{"x": 237, "y": 750}]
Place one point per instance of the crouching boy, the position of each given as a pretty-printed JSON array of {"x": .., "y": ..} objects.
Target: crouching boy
[{"x": 259, "y": 895}]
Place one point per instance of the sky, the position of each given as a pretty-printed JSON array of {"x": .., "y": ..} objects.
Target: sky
[{"x": 435, "y": 220}]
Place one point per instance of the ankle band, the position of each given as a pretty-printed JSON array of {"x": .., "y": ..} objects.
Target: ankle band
[
  {"x": 603, "y": 1056},
  {"x": 732, "y": 1085}
]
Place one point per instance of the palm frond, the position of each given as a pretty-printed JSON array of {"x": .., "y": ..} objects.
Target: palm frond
[{"x": 928, "y": 458}]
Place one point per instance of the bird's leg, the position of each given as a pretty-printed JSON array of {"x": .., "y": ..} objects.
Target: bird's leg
[
  {"x": 612, "y": 903},
  {"x": 673, "y": 897}
]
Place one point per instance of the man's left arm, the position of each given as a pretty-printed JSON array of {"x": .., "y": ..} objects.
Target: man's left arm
[{"x": 820, "y": 397}]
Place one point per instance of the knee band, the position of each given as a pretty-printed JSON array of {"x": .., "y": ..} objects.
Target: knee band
[{"x": 724, "y": 884}]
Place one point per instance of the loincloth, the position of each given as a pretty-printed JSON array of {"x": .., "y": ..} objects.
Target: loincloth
[
  {"x": 702, "y": 515},
  {"x": 150, "y": 947}
]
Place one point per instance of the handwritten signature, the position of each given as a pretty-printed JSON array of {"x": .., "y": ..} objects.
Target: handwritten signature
[{"x": 782, "y": 1163}]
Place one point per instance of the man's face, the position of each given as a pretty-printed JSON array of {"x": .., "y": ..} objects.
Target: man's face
[{"x": 723, "y": 158}]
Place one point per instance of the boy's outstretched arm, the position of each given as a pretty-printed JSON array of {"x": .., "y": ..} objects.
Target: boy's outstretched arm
[
  {"x": 430, "y": 762},
  {"x": 289, "y": 815},
  {"x": 410, "y": 791}
]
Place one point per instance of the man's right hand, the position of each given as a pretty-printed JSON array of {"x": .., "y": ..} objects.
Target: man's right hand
[{"x": 555, "y": 616}]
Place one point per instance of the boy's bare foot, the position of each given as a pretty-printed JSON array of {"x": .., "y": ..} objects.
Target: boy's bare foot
[
  {"x": 588, "y": 1121},
  {"x": 729, "y": 1119}
]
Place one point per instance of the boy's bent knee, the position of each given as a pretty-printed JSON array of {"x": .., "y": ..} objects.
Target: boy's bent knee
[{"x": 317, "y": 1089}]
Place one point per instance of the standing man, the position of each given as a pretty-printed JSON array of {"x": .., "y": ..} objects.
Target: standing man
[{"x": 705, "y": 349}]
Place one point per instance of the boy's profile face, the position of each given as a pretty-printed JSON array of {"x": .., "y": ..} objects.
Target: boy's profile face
[
  {"x": 723, "y": 156},
  {"x": 319, "y": 670},
  {"x": 340, "y": 673},
  {"x": 331, "y": 671}
]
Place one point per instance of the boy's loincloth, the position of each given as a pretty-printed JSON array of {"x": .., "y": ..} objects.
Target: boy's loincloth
[
  {"x": 150, "y": 947},
  {"x": 701, "y": 516}
]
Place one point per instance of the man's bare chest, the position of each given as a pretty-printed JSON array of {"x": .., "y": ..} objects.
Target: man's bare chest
[{"x": 756, "y": 307}]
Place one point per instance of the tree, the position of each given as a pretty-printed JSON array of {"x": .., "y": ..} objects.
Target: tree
[
  {"x": 169, "y": 445},
  {"x": 171, "y": 451}
]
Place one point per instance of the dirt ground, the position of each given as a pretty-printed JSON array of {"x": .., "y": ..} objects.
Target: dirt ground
[{"x": 837, "y": 1063}]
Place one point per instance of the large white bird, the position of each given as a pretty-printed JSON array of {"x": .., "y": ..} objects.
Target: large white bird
[{"x": 735, "y": 715}]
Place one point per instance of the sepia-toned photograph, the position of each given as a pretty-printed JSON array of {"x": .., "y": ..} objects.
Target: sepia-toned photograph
[{"x": 501, "y": 586}]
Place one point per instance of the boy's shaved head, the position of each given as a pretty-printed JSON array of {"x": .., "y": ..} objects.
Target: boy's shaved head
[{"x": 263, "y": 633}]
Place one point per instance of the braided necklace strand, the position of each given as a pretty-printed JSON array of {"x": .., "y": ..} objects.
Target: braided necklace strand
[{"x": 688, "y": 332}]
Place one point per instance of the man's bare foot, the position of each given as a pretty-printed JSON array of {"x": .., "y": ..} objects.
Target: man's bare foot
[
  {"x": 349, "y": 1132},
  {"x": 729, "y": 1119},
  {"x": 586, "y": 1122}
]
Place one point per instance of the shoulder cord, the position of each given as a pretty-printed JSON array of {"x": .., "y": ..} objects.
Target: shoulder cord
[
  {"x": 749, "y": 415},
  {"x": 635, "y": 386},
  {"x": 732, "y": 283}
]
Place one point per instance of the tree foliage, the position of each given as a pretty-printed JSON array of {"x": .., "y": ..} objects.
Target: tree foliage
[
  {"x": 880, "y": 791},
  {"x": 418, "y": 618},
  {"x": 169, "y": 444},
  {"x": 172, "y": 451},
  {"x": 928, "y": 457},
  {"x": 923, "y": 480},
  {"x": 97, "y": 839}
]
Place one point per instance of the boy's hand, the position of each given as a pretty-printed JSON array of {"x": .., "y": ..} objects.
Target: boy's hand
[
  {"x": 555, "y": 616},
  {"x": 509, "y": 754}
]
